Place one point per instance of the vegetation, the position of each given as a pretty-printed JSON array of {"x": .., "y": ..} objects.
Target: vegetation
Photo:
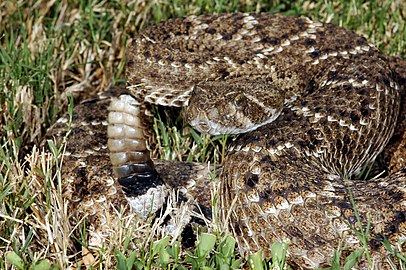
[{"x": 50, "y": 50}]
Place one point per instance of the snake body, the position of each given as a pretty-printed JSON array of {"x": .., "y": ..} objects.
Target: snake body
[{"x": 315, "y": 104}]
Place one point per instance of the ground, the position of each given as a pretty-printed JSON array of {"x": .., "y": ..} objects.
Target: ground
[{"x": 51, "y": 50}]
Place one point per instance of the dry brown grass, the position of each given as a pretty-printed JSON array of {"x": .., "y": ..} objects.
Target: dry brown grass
[{"x": 53, "y": 49}]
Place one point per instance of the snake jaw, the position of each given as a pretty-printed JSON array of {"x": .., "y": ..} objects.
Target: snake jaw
[{"x": 242, "y": 123}]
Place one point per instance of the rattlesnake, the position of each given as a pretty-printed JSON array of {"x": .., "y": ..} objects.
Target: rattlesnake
[{"x": 316, "y": 103}]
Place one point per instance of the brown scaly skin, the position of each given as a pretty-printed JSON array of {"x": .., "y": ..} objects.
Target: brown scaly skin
[
  {"x": 246, "y": 174},
  {"x": 87, "y": 167},
  {"x": 286, "y": 196},
  {"x": 89, "y": 185},
  {"x": 287, "y": 180}
]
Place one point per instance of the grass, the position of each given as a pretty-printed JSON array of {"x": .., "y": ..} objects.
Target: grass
[{"x": 51, "y": 50}]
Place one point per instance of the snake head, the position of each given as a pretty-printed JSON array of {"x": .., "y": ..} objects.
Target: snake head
[{"x": 223, "y": 107}]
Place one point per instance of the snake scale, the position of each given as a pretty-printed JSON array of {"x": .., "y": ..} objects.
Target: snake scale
[{"x": 313, "y": 104}]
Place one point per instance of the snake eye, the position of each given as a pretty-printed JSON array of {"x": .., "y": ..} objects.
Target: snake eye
[
  {"x": 204, "y": 126},
  {"x": 240, "y": 100}
]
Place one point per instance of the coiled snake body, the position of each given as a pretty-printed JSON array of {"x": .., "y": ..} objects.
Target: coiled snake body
[{"x": 315, "y": 104}]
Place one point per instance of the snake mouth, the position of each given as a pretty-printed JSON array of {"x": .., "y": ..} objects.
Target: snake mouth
[
  {"x": 210, "y": 127},
  {"x": 233, "y": 124}
]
